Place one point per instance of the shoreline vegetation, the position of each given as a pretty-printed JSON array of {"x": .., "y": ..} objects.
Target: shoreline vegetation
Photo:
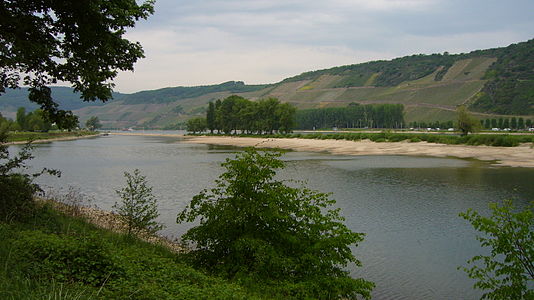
[
  {"x": 60, "y": 251},
  {"x": 17, "y": 138},
  {"x": 108, "y": 220},
  {"x": 520, "y": 155}
]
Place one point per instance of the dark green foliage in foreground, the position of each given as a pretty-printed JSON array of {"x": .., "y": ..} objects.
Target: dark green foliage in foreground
[
  {"x": 16, "y": 189},
  {"x": 508, "y": 271},
  {"x": 50, "y": 254},
  {"x": 254, "y": 228},
  {"x": 80, "y": 42}
]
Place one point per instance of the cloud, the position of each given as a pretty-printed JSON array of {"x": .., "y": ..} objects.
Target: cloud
[
  {"x": 200, "y": 63},
  {"x": 264, "y": 41}
]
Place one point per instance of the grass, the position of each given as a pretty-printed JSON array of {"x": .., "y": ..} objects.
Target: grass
[
  {"x": 50, "y": 255},
  {"x": 27, "y": 136}
]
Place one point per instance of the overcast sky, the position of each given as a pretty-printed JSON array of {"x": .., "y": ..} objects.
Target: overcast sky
[{"x": 204, "y": 42}]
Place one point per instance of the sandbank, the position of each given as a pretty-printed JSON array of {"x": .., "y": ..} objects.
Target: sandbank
[
  {"x": 520, "y": 156},
  {"x": 64, "y": 138}
]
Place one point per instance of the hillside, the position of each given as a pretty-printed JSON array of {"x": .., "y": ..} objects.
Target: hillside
[
  {"x": 496, "y": 81},
  {"x": 65, "y": 97}
]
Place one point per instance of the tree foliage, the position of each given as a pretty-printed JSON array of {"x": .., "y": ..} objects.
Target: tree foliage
[
  {"x": 510, "y": 82},
  {"x": 196, "y": 125},
  {"x": 508, "y": 271},
  {"x": 138, "y": 207},
  {"x": 466, "y": 122},
  {"x": 254, "y": 227},
  {"x": 93, "y": 123},
  {"x": 352, "y": 116},
  {"x": 17, "y": 187},
  {"x": 81, "y": 42},
  {"x": 263, "y": 116},
  {"x": 33, "y": 121}
]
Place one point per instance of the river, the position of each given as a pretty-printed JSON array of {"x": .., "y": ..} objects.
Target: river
[{"x": 407, "y": 206}]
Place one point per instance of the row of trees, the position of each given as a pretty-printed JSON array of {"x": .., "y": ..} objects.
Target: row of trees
[
  {"x": 512, "y": 123},
  {"x": 352, "y": 116},
  {"x": 33, "y": 121},
  {"x": 236, "y": 113},
  {"x": 36, "y": 120},
  {"x": 436, "y": 124}
]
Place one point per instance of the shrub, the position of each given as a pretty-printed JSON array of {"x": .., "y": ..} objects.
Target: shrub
[
  {"x": 255, "y": 228},
  {"x": 17, "y": 189},
  {"x": 65, "y": 258},
  {"x": 138, "y": 207},
  {"x": 508, "y": 270}
]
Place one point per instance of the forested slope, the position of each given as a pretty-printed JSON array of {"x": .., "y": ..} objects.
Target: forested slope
[{"x": 496, "y": 81}]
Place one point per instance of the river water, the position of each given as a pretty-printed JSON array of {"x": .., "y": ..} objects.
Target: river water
[{"x": 407, "y": 206}]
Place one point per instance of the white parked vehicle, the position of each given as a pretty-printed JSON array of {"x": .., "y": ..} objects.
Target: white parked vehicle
[{"x": 495, "y": 129}]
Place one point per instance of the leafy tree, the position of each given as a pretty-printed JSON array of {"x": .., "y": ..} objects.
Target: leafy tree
[
  {"x": 253, "y": 227},
  {"x": 506, "y": 123},
  {"x": 487, "y": 124},
  {"x": 93, "y": 123},
  {"x": 17, "y": 188},
  {"x": 466, "y": 122},
  {"x": 528, "y": 123},
  {"x": 521, "y": 123},
  {"x": 21, "y": 118},
  {"x": 513, "y": 123},
  {"x": 196, "y": 125},
  {"x": 138, "y": 207},
  {"x": 210, "y": 117},
  {"x": 285, "y": 114},
  {"x": 494, "y": 123},
  {"x": 508, "y": 271},
  {"x": 81, "y": 42}
]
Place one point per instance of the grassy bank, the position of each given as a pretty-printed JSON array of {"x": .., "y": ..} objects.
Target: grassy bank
[
  {"x": 498, "y": 140},
  {"x": 27, "y": 136},
  {"x": 50, "y": 255}
]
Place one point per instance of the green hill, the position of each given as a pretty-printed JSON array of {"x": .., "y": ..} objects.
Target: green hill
[
  {"x": 491, "y": 82},
  {"x": 65, "y": 96}
]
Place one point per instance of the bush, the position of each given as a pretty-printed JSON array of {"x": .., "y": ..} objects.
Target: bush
[
  {"x": 508, "y": 271},
  {"x": 255, "y": 228},
  {"x": 138, "y": 207},
  {"x": 16, "y": 198},
  {"x": 65, "y": 258},
  {"x": 17, "y": 189}
]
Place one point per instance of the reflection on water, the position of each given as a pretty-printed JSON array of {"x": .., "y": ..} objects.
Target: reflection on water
[{"x": 407, "y": 206}]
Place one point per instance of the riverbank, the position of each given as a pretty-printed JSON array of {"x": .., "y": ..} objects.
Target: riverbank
[
  {"x": 24, "y": 137},
  {"x": 109, "y": 221},
  {"x": 520, "y": 156},
  {"x": 49, "y": 254}
]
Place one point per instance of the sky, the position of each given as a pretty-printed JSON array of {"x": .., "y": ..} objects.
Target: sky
[{"x": 204, "y": 42}]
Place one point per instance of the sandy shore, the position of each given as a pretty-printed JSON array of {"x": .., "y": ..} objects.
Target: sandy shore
[
  {"x": 66, "y": 138},
  {"x": 521, "y": 156}
]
